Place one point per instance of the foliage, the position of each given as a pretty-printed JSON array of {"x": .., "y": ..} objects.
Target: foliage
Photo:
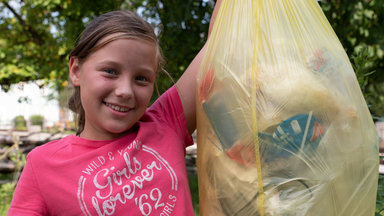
[
  {"x": 37, "y": 35},
  {"x": 361, "y": 61},
  {"x": 359, "y": 26},
  {"x": 20, "y": 123},
  {"x": 360, "y": 65},
  {"x": 6, "y": 194},
  {"x": 7, "y": 189},
  {"x": 37, "y": 120}
]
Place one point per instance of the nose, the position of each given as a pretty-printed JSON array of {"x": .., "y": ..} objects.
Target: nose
[{"x": 124, "y": 88}]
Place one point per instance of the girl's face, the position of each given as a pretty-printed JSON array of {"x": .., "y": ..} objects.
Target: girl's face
[{"x": 116, "y": 84}]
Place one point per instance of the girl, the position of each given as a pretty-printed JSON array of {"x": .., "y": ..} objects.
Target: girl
[{"x": 126, "y": 159}]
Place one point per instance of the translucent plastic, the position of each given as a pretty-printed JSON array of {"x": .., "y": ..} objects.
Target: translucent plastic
[{"x": 283, "y": 128}]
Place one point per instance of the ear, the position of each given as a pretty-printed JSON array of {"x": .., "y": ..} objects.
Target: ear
[{"x": 74, "y": 71}]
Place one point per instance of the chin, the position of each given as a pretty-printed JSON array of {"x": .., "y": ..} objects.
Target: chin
[
  {"x": 115, "y": 129},
  {"x": 118, "y": 130}
]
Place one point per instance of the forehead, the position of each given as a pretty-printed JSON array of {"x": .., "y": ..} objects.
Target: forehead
[
  {"x": 104, "y": 41},
  {"x": 124, "y": 53},
  {"x": 115, "y": 36}
]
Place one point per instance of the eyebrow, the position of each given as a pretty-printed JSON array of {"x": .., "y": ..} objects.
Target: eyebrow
[
  {"x": 109, "y": 62},
  {"x": 112, "y": 63}
]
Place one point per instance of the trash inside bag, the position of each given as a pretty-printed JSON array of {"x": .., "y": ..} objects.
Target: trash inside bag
[{"x": 283, "y": 128}]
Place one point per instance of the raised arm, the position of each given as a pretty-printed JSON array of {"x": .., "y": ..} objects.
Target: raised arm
[{"x": 186, "y": 85}]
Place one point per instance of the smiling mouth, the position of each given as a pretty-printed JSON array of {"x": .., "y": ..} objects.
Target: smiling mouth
[{"x": 117, "y": 108}]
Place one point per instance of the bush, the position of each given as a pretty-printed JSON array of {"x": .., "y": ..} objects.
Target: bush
[
  {"x": 6, "y": 193},
  {"x": 37, "y": 120},
  {"x": 20, "y": 123}
]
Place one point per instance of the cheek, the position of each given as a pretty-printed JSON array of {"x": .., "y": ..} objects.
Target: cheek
[
  {"x": 95, "y": 85},
  {"x": 149, "y": 94},
  {"x": 145, "y": 96}
]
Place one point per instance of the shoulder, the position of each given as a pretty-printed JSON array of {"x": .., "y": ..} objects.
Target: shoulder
[
  {"x": 169, "y": 98},
  {"x": 167, "y": 116},
  {"x": 50, "y": 148},
  {"x": 168, "y": 105}
]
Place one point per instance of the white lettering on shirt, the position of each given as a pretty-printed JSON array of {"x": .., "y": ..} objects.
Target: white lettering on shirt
[
  {"x": 104, "y": 181},
  {"x": 94, "y": 165}
]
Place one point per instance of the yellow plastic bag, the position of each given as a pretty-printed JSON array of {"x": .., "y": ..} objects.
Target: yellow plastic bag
[{"x": 283, "y": 128}]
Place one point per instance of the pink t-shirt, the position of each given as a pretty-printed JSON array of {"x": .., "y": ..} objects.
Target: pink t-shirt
[{"x": 142, "y": 173}]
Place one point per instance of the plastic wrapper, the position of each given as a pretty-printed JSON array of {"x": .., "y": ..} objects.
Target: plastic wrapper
[{"x": 283, "y": 128}]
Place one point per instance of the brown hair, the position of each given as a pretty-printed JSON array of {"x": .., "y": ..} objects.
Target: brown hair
[{"x": 128, "y": 25}]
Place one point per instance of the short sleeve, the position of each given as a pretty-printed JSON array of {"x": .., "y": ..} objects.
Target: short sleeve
[
  {"x": 168, "y": 108},
  {"x": 27, "y": 199}
]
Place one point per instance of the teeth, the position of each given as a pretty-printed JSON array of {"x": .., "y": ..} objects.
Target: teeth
[{"x": 117, "y": 108}]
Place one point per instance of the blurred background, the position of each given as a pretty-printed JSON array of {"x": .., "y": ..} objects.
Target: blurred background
[{"x": 36, "y": 37}]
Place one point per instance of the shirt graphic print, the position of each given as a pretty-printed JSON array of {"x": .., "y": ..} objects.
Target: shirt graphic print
[{"x": 131, "y": 177}]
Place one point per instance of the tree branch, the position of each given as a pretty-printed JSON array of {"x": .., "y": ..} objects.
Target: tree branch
[{"x": 36, "y": 37}]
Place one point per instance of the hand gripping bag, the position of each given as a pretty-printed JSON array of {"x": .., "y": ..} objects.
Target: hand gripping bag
[{"x": 283, "y": 128}]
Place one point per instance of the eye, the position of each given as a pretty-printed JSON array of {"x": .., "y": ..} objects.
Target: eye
[
  {"x": 141, "y": 79},
  {"x": 110, "y": 71}
]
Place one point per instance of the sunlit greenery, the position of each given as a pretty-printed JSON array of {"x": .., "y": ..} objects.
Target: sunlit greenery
[
  {"x": 36, "y": 36},
  {"x": 6, "y": 193},
  {"x": 20, "y": 123},
  {"x": 359, "y": 26}
]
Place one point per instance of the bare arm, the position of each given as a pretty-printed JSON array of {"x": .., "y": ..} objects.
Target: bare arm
[{"x": 186, "y": 85}]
